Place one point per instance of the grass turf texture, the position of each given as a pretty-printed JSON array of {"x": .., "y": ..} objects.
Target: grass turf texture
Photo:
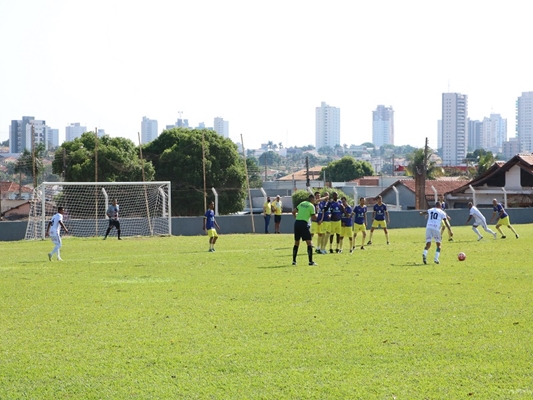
[{"x": 162, "y": 318}]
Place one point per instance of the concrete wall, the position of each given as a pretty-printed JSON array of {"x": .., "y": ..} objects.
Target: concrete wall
[{"x": 190, "y": 226}]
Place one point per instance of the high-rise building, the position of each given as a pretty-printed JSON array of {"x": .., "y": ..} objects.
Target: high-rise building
[
  {"x": 454, "y": 128},
  {"x": 524, "y": 122},
  {"x": 475, "y": 128},
  {"x": 493, "y": 133},
  {"x": 510, "y": 148},
  {"x": 221, "y": 127},
  {"x": 383, "y": 126},
  {"x": 21, "y": 131},
  {"x": 73, "y": 131},
  {"x": 149, "y": 130},
  {"x": 327, "y": 126},
  {"x": 53, "y": 138},
  {"x": 439, "y": 134}
]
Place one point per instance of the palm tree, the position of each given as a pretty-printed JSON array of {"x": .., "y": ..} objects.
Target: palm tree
[{"x": 416, "y": 162}]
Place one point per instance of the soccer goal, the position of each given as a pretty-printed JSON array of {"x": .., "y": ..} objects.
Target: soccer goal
[{"x": 144, "y": 208}]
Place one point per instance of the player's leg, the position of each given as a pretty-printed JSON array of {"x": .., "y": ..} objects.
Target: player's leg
[
  {"x": 386, "y": 233},
  {"x": 108, "y": 229},
  {"x": 487, "y": 229},
  {"x": 437, "y": 253},
  {"x": 512, "y": 229},
  {"x": 117, "y": 225},
  {"x": 310, "y": 252},
  {"x": 427, "y": 246},
  {"x": 295, "y": 250},
  {"x": 474, "y": 228},
  {"x": 371, "y": 234}
]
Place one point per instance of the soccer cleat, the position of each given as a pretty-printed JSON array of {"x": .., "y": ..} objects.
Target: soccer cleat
[
  {"x": 436, "y": 261},
  {"x": 351, "y": 251},
  {"x": 504, "y": 237},
  {"x": 339, "y": 251},
  {"x": 424, "y": 259},
  {"x": 294, "y": 263},
  {"x": 49, "y": 256},
  {"x": 317, "y": 251},
  {"x": 313, "y": 264},
  {"x": 362, "y": 247},
  {"x": 59, "y": 259},
  {"x": 388, "y": 243},
  {"x": 211, "y": 250},
  {"x": 119, "y": 238},
  {"x": 450, "y": 240},
  {"x": 495, "y": 236},
  {"x": 105, "y": 237},
  {"x": 369, "y": 243},
  {"x": 517, "y": 236},
  {"x": 479, "y": 238},
  {"x": 331, "y": 251}
]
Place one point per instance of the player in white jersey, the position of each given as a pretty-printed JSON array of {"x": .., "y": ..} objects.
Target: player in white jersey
[
  {"x": 54, "y": 230},
  {"x": 479, "y": 219},
  {"x": 435, "y": 217}
]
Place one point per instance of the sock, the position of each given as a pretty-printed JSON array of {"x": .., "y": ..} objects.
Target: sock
[
  {"x": 310, "y": 253},
  {"x": 437, "y": 254},
  {"x": 294, "y": 253},
  {"x": 425, "y": 253},
  {"x": 118, "y": 233}
]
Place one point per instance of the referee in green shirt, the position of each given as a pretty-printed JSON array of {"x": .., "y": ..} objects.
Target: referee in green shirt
[{"x": 303, "y": 213}]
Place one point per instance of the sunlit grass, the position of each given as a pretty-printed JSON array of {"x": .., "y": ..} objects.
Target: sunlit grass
[{"x": 163, "y": 318}]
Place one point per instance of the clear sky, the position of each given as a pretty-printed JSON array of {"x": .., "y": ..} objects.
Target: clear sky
[{"x": 262, "y": 66}]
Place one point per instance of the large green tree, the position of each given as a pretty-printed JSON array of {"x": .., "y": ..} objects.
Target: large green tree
[
  {"x": 346, "y": 169},
  {"x": 271, "y": 157},
  {"x": 177, "y": 155},
  {"x": 118, "y": 160}
]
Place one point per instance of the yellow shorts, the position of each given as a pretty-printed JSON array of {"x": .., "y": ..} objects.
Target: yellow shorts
[
  {"x": 315, "y": 227},
  {"x": 359, "y": 228},
  {"x": 378, "y": 224},
  {"x": 212, "y": 233},
  {"x": 335, "y": 227},
  {"x": 347, "y": 231},
  {"x": 504, "y": 221},
  {"x": 325, "y": 227}
]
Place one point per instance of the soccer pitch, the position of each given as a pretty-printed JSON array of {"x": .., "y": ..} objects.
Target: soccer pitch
[{"x": 162, "y": 318}]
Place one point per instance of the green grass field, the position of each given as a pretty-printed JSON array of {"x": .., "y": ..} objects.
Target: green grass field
[{"x": 162, "y": 318}]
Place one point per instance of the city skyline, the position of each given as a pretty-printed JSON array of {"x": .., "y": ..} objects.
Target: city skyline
[{"x": 266, "y": 81}]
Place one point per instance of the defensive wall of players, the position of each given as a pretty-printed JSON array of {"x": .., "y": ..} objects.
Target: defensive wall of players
[{"x": 190, "y": 226}]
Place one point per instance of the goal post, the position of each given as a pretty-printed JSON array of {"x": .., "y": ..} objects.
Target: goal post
[{"x": 144, "y": 208}]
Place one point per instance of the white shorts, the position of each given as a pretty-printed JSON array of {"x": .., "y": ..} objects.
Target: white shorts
[
  {"x": 56, "y": 239},
  {"x": 433, "y": 234},
  {"x": 480, "y": 222}
]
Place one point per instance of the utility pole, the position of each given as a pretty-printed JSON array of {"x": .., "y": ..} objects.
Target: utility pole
[
  {"x": 33, "y": 156},
  {"x": 308, "y": 182},
  {"x": 420, "y": 180}
]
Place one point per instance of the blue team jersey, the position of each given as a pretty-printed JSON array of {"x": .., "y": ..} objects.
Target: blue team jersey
[
  {"x": 500, "y": 210},
  {"x": 347, "y": 219},
  {"x": 336, "y": 210},
  {"x": 360, "y": 214},
  {"x": 443, "y": 206},
  {"x": 210, "y": 219},
  {"x": 380, "y": 211},
  {"x": 326, "y": 211}
]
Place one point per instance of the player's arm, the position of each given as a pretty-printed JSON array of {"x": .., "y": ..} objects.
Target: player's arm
[
  {"x": 48, "y": 228},
  {"x": 493, "y": 215},
  {"x": 423, "y": 213},
  {"x": 468, "y": 220},
  {"x": 63, "y": 226},
  {"x": 448, "y": 226},
  {"x": 294, "y": 211},
  {"x": 313, "y": 217},
  {"x": 216, "y": 224},
  {"x": 388, "y": 217},
  {"x": 205, "y": 220}
]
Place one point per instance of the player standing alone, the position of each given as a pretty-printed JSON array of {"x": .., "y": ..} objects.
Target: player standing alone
[
  {"x": 479, "y": 219},
  {"x": 435, "y": 217},
  {"x": 378, "y": 219},
  {"x": 56, "y": 223},
  {"x": 209, "y": 226},
  {"x": 112, "y": 214}
]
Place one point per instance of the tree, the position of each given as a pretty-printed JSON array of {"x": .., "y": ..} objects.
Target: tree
[
  {"x": 254, "y": 173},
  {"x": 416, "y": 161},
  {"x": 326, "y": 151},
  {"x": 118, "y": 160},
  {"x": 346, "y": 169},
  {"x": 485, "y": 161},
  {"x": 178, "y": 154},
  {"x": 24, "y": 163},
  {"x": 271, "y": 157}
]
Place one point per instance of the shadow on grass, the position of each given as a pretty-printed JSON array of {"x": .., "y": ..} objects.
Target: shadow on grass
[{"x": 277, "y": 266}]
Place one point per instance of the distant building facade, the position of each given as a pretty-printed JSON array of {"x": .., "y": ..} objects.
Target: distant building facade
[
  {"x": 221, "y": 127},
  {"x": 383, "y": 126},
  {"x": 149, "y": 130},
  {"x": 20, "y": 134},
  {"x": 493, "y": 133},
  {"x": 475, "y": 128},
  {"x": 74, "y": 130},
  {"x": 53, "y": 138},
  {"x": 454, "y": 128},
  {"x": 524, "y": 122},
  {"x": 510, "y": 148},
  {"x": 327, "y": 126}
]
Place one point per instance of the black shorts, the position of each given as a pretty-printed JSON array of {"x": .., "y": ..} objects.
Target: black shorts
[
  {"x": 114, "y": 223},
  {"x": 301, "y": 230},
  {"x": 277, "y": 218}
]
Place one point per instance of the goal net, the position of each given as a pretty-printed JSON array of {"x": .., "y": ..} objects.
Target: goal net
[{"x": 144, "y": 208}]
